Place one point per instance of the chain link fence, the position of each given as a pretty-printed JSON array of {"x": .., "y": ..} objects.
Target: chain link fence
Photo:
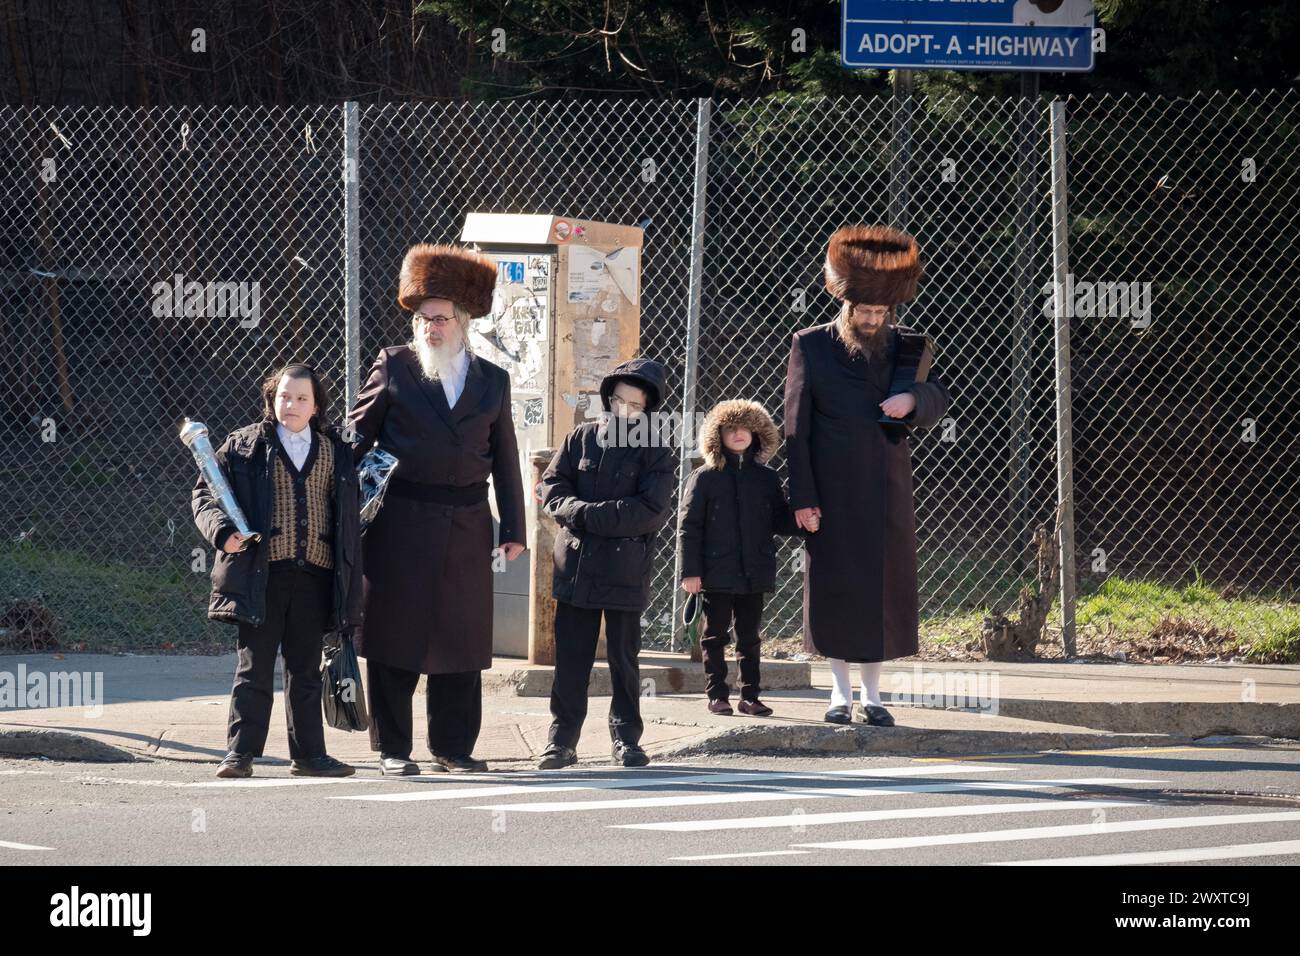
[
  {"x": 159, "y": 263},
  {"x": 156, "y": 264},
  {"x": 1187, "y": 369}
]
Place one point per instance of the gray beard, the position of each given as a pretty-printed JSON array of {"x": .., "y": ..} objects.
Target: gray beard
[{"x": 435, "y": 360}]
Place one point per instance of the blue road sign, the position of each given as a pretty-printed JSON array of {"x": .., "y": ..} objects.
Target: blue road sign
[{"x": 1043, "y": 35}]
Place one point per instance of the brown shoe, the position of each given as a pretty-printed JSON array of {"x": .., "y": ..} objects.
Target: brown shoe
[
  {"x": 755, "y": 708},
  {"x": 236, "y": 765},
  {"x": 720, "y": 706}
]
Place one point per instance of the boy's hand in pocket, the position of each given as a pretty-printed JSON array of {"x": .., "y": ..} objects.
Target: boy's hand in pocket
[{"x": 234, "y": 543}]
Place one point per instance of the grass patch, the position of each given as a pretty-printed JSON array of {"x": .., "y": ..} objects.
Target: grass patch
[
  {"x": 105, "y": 607},
  {"x": 1261, "y": 628}
]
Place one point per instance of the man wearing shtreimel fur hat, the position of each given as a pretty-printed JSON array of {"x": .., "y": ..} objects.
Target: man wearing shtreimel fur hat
[
  {"x": 850, "y": 477},
  {"x": 444, "y": 412}
]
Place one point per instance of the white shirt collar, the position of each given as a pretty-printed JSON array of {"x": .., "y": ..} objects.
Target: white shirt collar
[{"x": 286, "y": 436}]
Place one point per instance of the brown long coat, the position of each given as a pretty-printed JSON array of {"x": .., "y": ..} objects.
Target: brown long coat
[
  {"x": 860, "y": 586},
  {"x": 427, "y": 587}
]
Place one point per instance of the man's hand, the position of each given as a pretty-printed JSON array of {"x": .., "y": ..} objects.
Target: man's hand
[
  {"x": 900, "y": 405},
  {"x": 691, "y": 585},
  {"x": 809, "y": 519},
  {"x": 234, "y": 543},
  {"x": 512, "y": 550}
]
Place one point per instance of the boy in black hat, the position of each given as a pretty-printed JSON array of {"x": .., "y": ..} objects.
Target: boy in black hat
[{"x": 608, "y": 487}]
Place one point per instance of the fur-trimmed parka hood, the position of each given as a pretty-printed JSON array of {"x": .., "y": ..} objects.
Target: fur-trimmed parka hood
[{"x": 745, "y": 414}]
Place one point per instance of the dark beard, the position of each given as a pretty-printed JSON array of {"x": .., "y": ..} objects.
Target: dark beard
[{"x": 866, "y": 345}]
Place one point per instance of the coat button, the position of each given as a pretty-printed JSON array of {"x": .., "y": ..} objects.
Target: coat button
[
  {"x": 451, "y": 478},
  {"x": 300, "y": 562}
]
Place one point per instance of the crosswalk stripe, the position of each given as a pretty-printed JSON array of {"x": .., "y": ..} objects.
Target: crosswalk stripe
[
  {"x": 1051, "y": 833},
  {"x": 642, "y": 782},
  {"x": 797, "y": 793},
  {"x": 22, "y": 846},
  {"x": 740, "y": 856},
  {"x": 1236, "y": 851},
  {"x": 1044, "y": 805}
]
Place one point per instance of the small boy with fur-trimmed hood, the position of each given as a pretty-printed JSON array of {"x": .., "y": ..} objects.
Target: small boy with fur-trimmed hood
[{"x": 732, "y": 506}]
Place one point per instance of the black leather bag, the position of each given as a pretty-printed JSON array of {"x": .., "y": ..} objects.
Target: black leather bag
[{"x": 343, "y": 698}]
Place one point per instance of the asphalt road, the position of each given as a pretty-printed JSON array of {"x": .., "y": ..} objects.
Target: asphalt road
[{"x": 1102, "y": 807}]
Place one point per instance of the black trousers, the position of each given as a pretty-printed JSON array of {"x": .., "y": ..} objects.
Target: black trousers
[
  {"x": 297, "y": 610},
  {"x": 577, "y": 632},
  {"x": 719, "y": 610},
  {"x": 453, "y": 708}
]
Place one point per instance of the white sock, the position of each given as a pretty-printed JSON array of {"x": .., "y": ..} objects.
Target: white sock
[
  {"x": 841, "y": 683},
  {"x": 870, "y": 673}
]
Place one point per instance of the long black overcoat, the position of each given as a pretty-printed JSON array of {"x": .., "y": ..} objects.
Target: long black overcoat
[
  {"x": 428, "y": 565},
  {"x": 860, "y": 581}
]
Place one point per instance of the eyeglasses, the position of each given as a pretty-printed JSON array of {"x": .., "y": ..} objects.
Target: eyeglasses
[{"x": 434, "y": 319}]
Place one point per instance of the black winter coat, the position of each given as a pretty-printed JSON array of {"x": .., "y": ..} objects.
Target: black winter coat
[
  {"x": 610, "y": 500},
  {"x": 239, "y": 579},
  {"x": 728, "y": 518}
]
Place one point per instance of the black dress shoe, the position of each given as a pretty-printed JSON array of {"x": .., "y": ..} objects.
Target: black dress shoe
[
  {"x": 464, "y": 764},
  {"x": 321, "y": 767},
  {"x": 556, "y": 757},
  {"x": 873, "y": 714},
  {"x": 839, "y": 715},
  {"x": 236, "y": 765},
  {"x": 398, "y": 766},
  {"x": 630, "y": 755}
]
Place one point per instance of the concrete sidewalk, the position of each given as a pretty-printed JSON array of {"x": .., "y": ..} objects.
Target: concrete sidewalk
[{"x": 174, "y": 708}]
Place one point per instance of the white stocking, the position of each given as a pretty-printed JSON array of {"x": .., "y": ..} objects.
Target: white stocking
[
  {"x": 870, "y": 673},
  {"x": 841, "y": 683}
]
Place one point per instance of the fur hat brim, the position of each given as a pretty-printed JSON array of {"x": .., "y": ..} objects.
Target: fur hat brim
[
  {"x": 446, "y": 272},
  {"x": 875, "y": 265},
  {"x": 743, "y": 414}
]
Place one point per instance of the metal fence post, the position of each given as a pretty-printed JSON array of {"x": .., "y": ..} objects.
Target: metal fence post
[
  {"x": 1064, "y": 434},
  {"x": 351, "y": 252},
  {"x": 687, "y": 432}
]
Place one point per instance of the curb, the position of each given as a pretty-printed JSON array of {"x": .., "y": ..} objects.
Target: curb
[
  {"x": 58, "y": 745},
  {"x": 903, "y": 741},
  {"x": 1189, "y": 718}
]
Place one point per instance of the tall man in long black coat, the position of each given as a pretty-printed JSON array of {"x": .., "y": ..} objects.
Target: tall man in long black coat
[
  {"x": 850, "y": 479},
  {"x": 445, "y": 414}
]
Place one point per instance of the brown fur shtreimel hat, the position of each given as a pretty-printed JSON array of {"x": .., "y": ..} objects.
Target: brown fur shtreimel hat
[
  {"x": 447, "y": 272},
  {"x": 874, "y": 265}
]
